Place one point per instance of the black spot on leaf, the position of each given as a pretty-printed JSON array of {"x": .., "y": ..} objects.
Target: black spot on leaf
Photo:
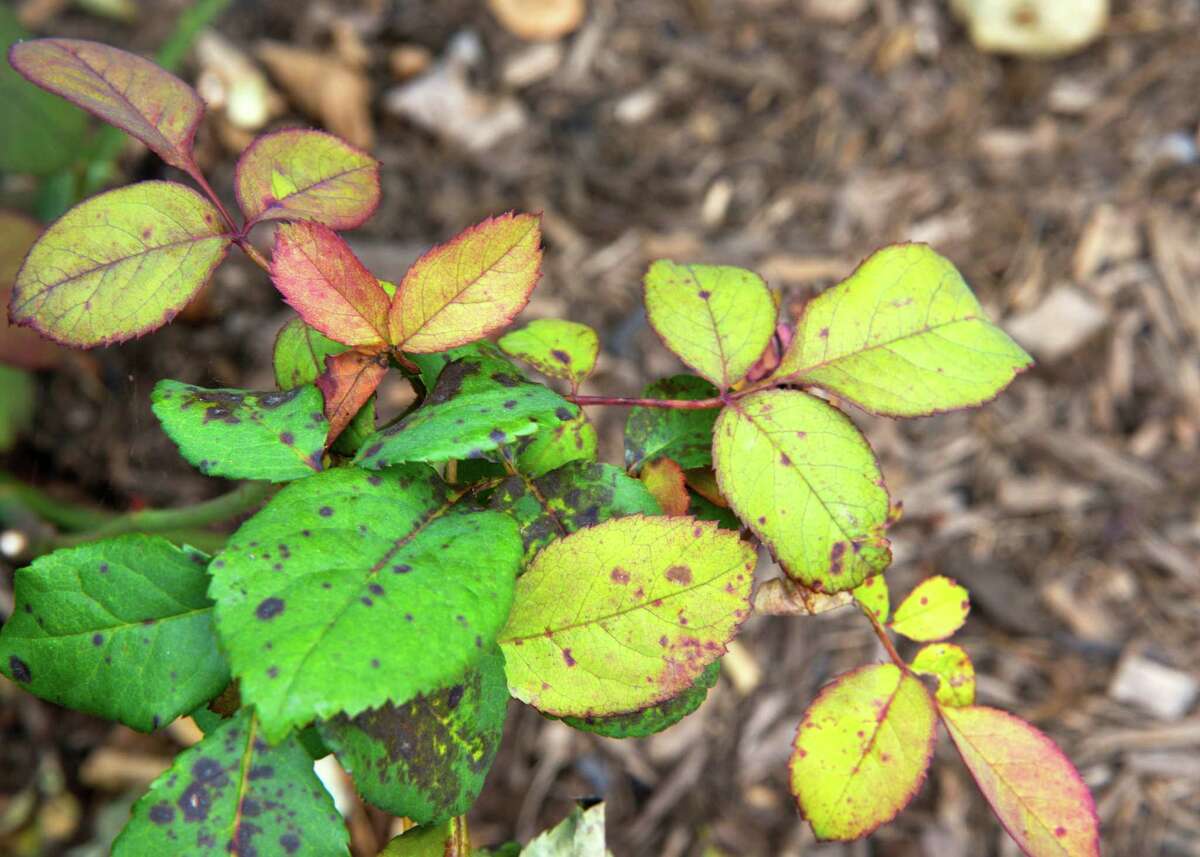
[
  {"x": 162, "y": 813},
  {"x": 269, "y": 608},
  {"x": 20, "y": 669}
]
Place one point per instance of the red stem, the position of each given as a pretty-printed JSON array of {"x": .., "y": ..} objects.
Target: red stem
[
  {"x": 882, "y": 634},
  {"x": 195, "y": 173},
  {"x": 682, "y": 404}
]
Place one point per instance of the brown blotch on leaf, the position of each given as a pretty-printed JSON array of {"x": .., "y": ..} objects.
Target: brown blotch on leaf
[
  {"x": 619, "y": 575},
  {"x": 680, "y": 574}
]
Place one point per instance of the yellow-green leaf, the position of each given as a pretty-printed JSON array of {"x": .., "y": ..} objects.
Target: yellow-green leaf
[
  {"x": 1032, "y": 787},
  {"x": 862, "y": 751},
  {"x": 873, "y": 594},
  {"x": 554, "y": 347},
  {"x": 464, "y": 289},
  {"x": 953, "y": 670},
  {"x": 933, "y": 611},
  {"x": 717, "y": 318},
  {"x": 625, "y": 614},
  {"x": 119, "y": 265},
  {"x": 903, "y": 336},
  {"x": 803, "y": 478}
]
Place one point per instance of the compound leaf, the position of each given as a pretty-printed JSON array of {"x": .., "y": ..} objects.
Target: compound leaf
[
  {"x": 953, "y": 670},
  {"x": 322, "y": 279},
  {"x": 301, "y": 174},
  {"x": 234, "y": 794},
  {"x": 665, "y": 480},
  {"x": 244, "y": 435},
  {"x": 934, "y": 610},
  {"x": 426, "y": 759},
  {"x": 1032, "y": 787},
  {"x": 119, "y": 265},
  {"x": 472, "y": 285},
  {"x": 120, "y": 628},
  {"x": 348, "y": 383},
  {"x": 351, "y": 589},
  {"x": 552, "y": 447},
  {"x": 862, "y": 751},
  {"x": 625, "y": 614},
  {"x": 121, "y": 88},
  {"x": 718, "y": 319},
  {"x": 903, "y": 336},
  {"x": 656, "y": 718},
  {"x": 873, "y": 594},
  {"x": 683, "y": 435},
  {"x": 802, "y": 477},
  {"x": 554, "y": 347}
]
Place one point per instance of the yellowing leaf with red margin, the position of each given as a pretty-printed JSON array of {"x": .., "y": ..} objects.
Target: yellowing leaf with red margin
[
  {"x": 664, "y": 479},
  {"x": 934, "y": 610},
  {"x": 953, "y": 670},
  {"x": 862, "y": 751},
  {"x": 625, "y": 614},
  {"x": 322, "y": 279},
  {"x": 464, "y": 289},
  {"x": 1032, "y": 787},
  {"x": 121, "y": 88},
  {"x": 307, "y": 175},
  {"x": 349, "y": 380}
]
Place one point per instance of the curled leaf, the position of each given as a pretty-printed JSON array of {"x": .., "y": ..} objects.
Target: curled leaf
[
  {"x": 656, "y": 718},
  {"x": 934, "y": 610},
  {"x": 781, "y": 596}
]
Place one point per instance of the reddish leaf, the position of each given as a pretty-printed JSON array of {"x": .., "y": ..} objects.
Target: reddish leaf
[
  {"x": 348, "y": 381},
  {"x": 323, "y": 280},
  {"x": 664, "y": 479}
]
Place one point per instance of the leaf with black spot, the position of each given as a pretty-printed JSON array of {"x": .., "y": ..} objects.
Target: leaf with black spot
[
  {"x": 427, "y": 758},
  {"x": 235, "y": 794},
  {"x": 554, "y": 446},
  {"x": 683, "y": 435},
  {"x": 276, "y": 436},
  {"x": 656, "y": 718},
  {"x": 120, "y": 628}
]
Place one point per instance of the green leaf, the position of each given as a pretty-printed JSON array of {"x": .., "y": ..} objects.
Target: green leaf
[
  {"x": 466, "y": 288},
  {"x": 933, "y": 611},
  {"x": 552, "y": 447},
  {"x": 903, "y": 336},
  {"x": 580, "y": 834},
  {"x": 577, "y": 495},
  {"x": 625, "y": 614},
  {"x": 300, "y": 174},
  {"x": 244, "y": 435},
  {"x": 119, "y": 628},
  {"x": 873, "y": 594},
  {"x": 447, "y": 839},
  {"x": 862, "y": 751},
  {"x": 684, "y": 436},
  {"x": 803, "y": 478},
  {"x": 234, "y": 794},
  {"x": 17, "y": 393},
  {"x": 718, "y": 319},
  {"x": 656, "y": 718},
  {"x": 554, "y": 347},
  {"x": 953, "y": 670},
  {"x": 119, "y": 265},
  {"x": 706, "y": 510},
  {"x": 477, "y": 405},
  {"x": 1032, "y": 787},
  {"x": 352, "y": 589},
  {"x": 427, "y": 758},
  {"x": 121, "y": 88}
]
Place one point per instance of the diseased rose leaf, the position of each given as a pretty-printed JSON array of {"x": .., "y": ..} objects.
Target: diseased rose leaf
[
  {"x": 447, "y": 839},
  {"x": 801, "y": 476},
  {"x": 554, "y": 347},
  {"x": 706, "y": 510},
  {"x": 934, "y": 610},
  {"x": 233, "y": 793},
  {"x": 873, "y": 594},
  {"x": 625, "y": 614},
  {"x": 718, "y": 319},
  {"x": 120, "y": 628},
  {"x": 580, "y": 834},
  {"x": 1032, "y": 787},
  {"x": 348, "y": 383},
  {"x": 664, "y": 479},
  {"x": 703, "y": 481},
  {"x": 238, "y": 434},
  {"x": 903, "y": 336},
  {"x": 322, "y": 279},
  {"x": 427, "y": 758},
  {"x": 682, "y": 435},
  {"x": 464, "y": 289},
  {"x": 952, "y": 668},
  {"x": 301, "y": 174},
  {"x": 656, "y": 718},
  {"x": 121, "y": 88},
  {"x": 119, "y": 265},
  {"x": 862, "y": 751},
  {"x": 304, "y": 587},
  {"x": 552, "y": 447}
]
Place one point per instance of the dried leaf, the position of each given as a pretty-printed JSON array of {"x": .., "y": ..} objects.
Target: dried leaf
[{"x": 664, "y": 479}]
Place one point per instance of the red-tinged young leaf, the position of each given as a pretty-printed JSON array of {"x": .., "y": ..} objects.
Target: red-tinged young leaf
[
  {"x": 119, "y": 265},
  {"x": 307, "y": 175},
  {"x": 469, "y": 287},
  {"x": 349, "y": 380},
  {"x": 862, "y": 751},
  {"x": 953, "y": 670},
  {"x": 664, "y": 479},
  {"x": 19, "y": 347},
  {"x": 324, "y": 281},
  {"x": 933, "y": 611},
  {"x": 121, "y": 88},
  {"x": 1032, "y": 787}
]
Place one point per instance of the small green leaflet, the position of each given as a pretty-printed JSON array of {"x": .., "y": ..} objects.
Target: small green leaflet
[
  {"x": 234, "y": 794},
  {"x": 244, "y": 435},
  {"x": 448, "y": 839},
  {"x": 862, "y": 751},
  {"x": 120, "y": 628},
  {"x": 352, "y": 589},
  {"x": 477, "y": 405},
  {"x": 803, "y": 478},
  {"x": 873, "y": 595},
  {"x": 580, "y": 834},
  {"x": 954, "y": 672},
  {"x": 718, "y": 319},
  {"x": 551, "y": 448},
  {"x": 684, "y": 436},
  {"x": 427, "y": 758},
  {"x": 656, "y": 718},
  {"x": 625, "y": 614},
  {"x": 554, "y": 347},
  {"x": 903, "y": 336},
  {"x": 934, "y": 610}
]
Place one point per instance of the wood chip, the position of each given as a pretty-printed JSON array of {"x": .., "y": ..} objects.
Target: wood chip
[{"x": 1157, "y": 689}]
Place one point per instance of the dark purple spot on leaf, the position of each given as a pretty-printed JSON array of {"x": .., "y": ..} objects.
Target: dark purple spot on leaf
[
  {"x": 567, "y": 658},
  {"x": 97, "y": 639},
  {"x": 19, "y": 669},
  {"x": 269, "y": 608},
  {"x": 287, "y": 438},
  {"x": 376, "y": 589},
  {"x": 161, "y": 813},
  {"x": 325, "y": 512},
  {"x": 454, "y": 697},
  {"x": 561, "y": 356}
]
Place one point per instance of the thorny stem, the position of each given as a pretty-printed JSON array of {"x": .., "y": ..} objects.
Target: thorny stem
[{"x": 882, "y": 634}]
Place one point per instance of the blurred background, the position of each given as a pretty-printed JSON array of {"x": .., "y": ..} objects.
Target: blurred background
[{"x": 1049, "y": 149}]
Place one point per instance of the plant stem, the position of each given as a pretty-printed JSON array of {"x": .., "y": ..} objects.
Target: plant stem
[
  {"x": 681, "y": 404},
  {"x": 65, "y": 515},
  {"x": 882, "y": 634},
  {"x": 255, "y": 257}
]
